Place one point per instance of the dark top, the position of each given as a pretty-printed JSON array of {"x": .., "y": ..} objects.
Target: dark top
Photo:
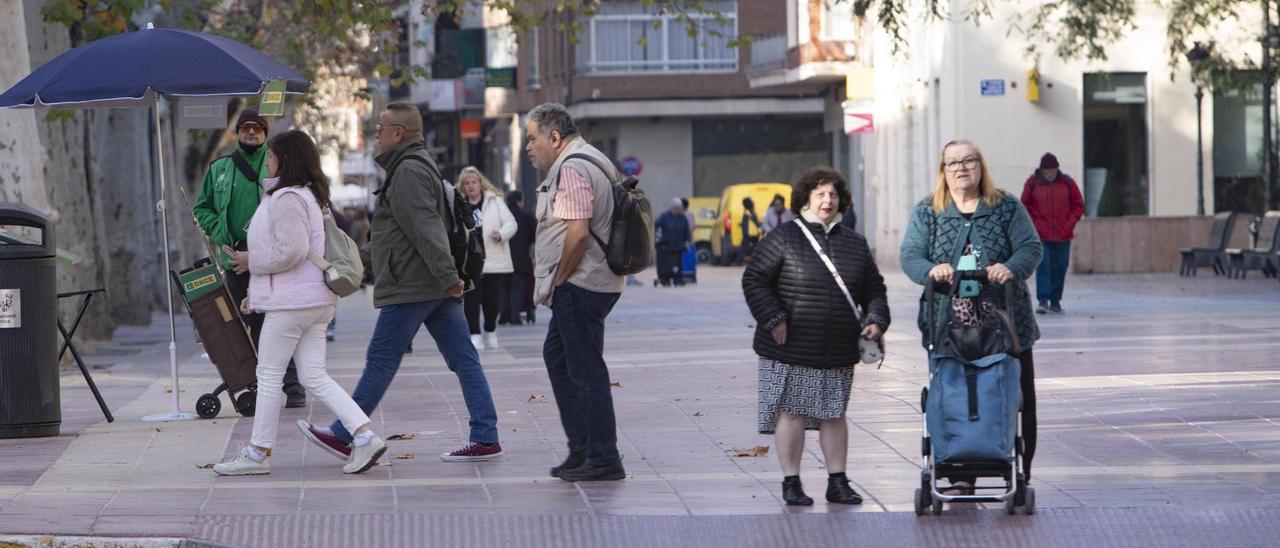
[{"x": 786, "y": 280}]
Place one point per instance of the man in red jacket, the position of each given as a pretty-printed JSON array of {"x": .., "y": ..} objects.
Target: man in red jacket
[{"x": 1054, "y": 202}]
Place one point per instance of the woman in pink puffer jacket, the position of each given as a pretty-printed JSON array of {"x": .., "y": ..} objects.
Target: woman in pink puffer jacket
[{"x": 290, "y": 290}]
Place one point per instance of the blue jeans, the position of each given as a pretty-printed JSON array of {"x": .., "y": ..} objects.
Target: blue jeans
[
  {"x": 445, "y": 321},
  {"x": 1051, "y": 275},
  {"x": 574, "y": 353}
]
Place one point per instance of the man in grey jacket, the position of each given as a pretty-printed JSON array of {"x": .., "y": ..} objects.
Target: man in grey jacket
[{"x": 415, "y": 283}]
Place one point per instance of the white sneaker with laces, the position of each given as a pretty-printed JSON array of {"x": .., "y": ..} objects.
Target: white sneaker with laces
[
  {"x": 363, "y": 458},
  {"x": 242, "y": 465},
  {"x": 491, "y": 339},
  {"x": 477, "y": 342}
]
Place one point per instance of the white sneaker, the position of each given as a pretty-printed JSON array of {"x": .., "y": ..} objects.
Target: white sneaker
[
  {"x": 363, "y": 458},
  {"x": 242, "y": 465},
  {"x": 477, "y": 342},
  {"x": 491, "y": 339}
]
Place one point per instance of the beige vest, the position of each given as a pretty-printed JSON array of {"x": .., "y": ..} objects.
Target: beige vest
[{"x": 593, "y": 272}]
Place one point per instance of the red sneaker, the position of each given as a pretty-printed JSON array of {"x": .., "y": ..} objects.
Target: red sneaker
[
  {"x": 474, "y": 452},
  {"x": 329, "y": 442}
]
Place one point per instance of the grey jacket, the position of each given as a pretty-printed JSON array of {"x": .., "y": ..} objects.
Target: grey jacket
[
  {"x": 1003, "y": 234},
  {"x": 410, "y": 249}
]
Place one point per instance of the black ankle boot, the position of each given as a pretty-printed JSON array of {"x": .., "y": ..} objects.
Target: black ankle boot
[
  {"x": 839, "y": 491},
  {"x": 574, "y": 460},
  {"x": 793, "y": 492}
]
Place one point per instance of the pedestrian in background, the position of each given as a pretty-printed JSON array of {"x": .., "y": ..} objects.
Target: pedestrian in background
[
  {"x": 229, "y": 197},
  {"x": 968, "y": 216},
  {"x": 673, "y": 236},
  {"x": 806, "y": 332},
  {"x": 749, "y": 240},
  {"x": 286, "y": 286},
  {"x": 497, "y": 226},
  {"x": 778, "y": 215},
  {"x": 521, "y": 248},
  {"x": 1055, "y": 205}
]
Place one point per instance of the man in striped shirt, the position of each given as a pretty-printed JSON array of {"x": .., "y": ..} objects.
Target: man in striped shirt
[{"x": 572, "y": 277}]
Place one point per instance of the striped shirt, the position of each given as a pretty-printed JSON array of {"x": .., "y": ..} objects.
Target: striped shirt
[{"x": 574, "y": 198}]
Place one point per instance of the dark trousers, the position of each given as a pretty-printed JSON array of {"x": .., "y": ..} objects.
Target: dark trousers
[
  {"x": 238, "y": 286},
  {"x": 512, "y": 297},
  {"x": 1051, "y": 275},
  {"x": 1028, "y": 381},
  {"x": 574, "y": 353},
  {"x": 486, "y": 295}
]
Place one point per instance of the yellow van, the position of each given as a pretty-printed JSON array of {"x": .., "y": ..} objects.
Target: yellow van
[
  {"x": 726, "y": 235},
  {"x": 704, "y": 209}
]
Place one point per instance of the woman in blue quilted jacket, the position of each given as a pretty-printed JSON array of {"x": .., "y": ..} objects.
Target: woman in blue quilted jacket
[{"x": 967, "y": 219}]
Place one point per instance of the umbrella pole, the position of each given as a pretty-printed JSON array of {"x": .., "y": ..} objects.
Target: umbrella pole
[{"x": 177, "y": 414}]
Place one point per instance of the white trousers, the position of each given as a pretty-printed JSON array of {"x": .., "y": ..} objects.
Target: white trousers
[{"x": 297, "y": 334}]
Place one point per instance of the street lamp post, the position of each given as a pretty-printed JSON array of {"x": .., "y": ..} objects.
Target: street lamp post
[{"x": 1196, "y": 56}]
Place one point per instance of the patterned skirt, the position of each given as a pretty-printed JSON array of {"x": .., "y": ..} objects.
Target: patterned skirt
[{"x": 815, "y": 394}]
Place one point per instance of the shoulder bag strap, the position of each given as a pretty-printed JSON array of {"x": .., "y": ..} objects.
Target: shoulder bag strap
[
  {"x": 830, "y": 268},
  {"x": 594, "y": 162},
  {"x": 242, "y": 165}
]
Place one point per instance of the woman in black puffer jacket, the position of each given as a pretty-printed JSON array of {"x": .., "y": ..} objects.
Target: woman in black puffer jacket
[{"x": 806, "y": 333}]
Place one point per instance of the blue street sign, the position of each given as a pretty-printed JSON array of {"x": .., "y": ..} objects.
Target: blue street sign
[{"x": 992, "y": 88}]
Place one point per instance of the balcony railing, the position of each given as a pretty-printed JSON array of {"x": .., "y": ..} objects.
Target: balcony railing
[{"x": 768, "y": 53}]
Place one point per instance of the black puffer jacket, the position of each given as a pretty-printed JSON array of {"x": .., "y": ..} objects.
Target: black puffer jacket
[{"x": 786, "y": 280}]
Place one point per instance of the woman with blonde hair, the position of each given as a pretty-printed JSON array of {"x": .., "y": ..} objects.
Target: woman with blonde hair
[
  {"x": 497, "y": 226},
  {"x": 969, "y": 223}
]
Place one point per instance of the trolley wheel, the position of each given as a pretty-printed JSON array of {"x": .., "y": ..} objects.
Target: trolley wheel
[
  {"x": 208, "y": 406},
  {"x": 1011, "y": 505},
  {"x": 937, "y": 507},
  {"x": 246, "y": 402},
  {"x": 920, "y": 502},
  {"x": 1030, "y": 498}
]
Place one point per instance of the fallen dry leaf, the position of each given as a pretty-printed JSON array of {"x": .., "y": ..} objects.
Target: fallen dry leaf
[
  {"x": 537, "y": 398},
  {"x": 205, "y": 466},
  {"x": 757, "y": 451},
  {"x": 405, "y": 456},
  {"x": 698, "y": 413},
  {"x": 616, "y": 384},
  {"x": 400, "y": 437}
]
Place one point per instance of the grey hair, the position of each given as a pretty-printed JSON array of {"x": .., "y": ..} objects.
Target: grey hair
[{"x": 553, "y": 117}]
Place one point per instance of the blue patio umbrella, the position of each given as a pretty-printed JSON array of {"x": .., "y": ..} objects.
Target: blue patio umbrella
[
  {"x": 137, "y": 69},
  {"x": 131, "y": 69}
]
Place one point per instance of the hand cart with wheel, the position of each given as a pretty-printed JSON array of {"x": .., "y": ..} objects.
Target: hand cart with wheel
[
  {"x": 971, "y": 410},
  {"x": 226, "y": 340}
]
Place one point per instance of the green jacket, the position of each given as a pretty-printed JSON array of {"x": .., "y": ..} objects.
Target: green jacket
[
  {"x": 409, "y": 246},
  {"x": 228, "y": 200}
]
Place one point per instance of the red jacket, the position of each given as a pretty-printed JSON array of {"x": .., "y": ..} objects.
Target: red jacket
[{"x": 1055, "y": 206}]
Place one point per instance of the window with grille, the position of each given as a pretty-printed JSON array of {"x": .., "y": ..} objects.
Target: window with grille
[{"x": 628, "y": 38}]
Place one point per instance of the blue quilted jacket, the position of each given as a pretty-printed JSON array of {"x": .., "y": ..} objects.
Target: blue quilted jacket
[{"x": 1003, "y": 234}]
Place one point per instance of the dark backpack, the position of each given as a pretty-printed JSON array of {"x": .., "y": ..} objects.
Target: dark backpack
[
  {"x": 466, "y": 244},
  {"x": 630, "y": 246}
]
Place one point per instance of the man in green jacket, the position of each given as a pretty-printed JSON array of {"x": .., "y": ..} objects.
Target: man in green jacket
[{"x": 228, "y": 198}]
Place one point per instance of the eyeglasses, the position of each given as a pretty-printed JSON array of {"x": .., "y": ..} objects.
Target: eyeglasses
[
  {"x": 378, "y": 128},
  {"x": 968, "y": 163},
  {"x": 250, "y": 127}
]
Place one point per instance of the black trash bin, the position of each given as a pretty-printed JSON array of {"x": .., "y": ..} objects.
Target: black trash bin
[{"x": 30, "y": 404}]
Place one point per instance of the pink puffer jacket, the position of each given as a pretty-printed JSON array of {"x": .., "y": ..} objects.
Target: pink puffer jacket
[{"x": 287, "y": 224}]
